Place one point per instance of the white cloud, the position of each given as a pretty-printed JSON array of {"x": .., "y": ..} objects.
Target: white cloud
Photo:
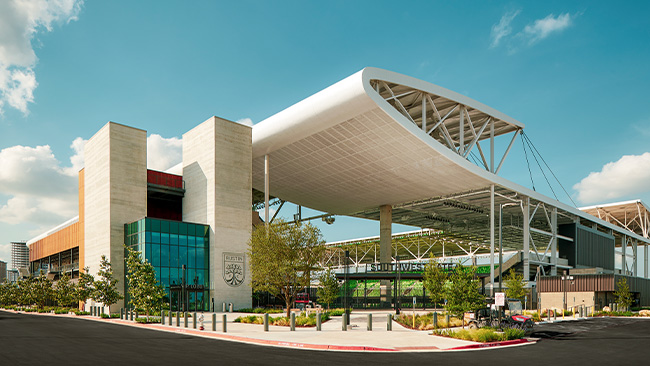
[
  {"x": 246, "y": 122},
  {"x": 630, "y": 175},
  {"x": 542, "y": 28},
  {"x": 77, "y": 159},
  {"x": 40, "y": 191},
  {"x": 20, "y": 21},
  {"x": 503, "y": 28},
  {"x": 163, "y": 153}
]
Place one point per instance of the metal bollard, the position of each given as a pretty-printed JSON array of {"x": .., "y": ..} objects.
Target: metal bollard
[
  {"x": 230, "y": 308},
  {"x": 344, "y": 323},
  {"x": 102, "y": 310},
  {"x": 447, "y": 319},
  {"x": 178, "y": 318},
  {"x": 122, "y": 313},
  {"x": 223, "y": 307},
  {"x": 214, "y": 322},
  {"x": 292, "y": 323},
  {"x": 92, "y": 311},
  {"x": 318, "y": 322},
  {"x": 370, "y": 322},
  {"x": 555, "y": 314},
  {"x": 162, "y": 317},
  {"x": 548, "y": 313},
  {"x": 136, "y": 314},
  {"x": 435, "y": 320},
  {"x": 185, "y": 316},
  {"x": 389, "y": 324},
  {"x": 194, "y": 320},
  {"x": 170, "y": 318},
  {"x": 224, "y": 320},
  {"x": 132, "y": 315},
  {"x": 266, "y": 322}
]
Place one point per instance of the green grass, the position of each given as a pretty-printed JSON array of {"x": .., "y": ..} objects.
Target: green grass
[
  {"x": 302, "y": 320},
  {"x": 260, "y": 311}
]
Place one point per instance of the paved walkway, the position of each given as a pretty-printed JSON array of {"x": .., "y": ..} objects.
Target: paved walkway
[{"x": 331, "y": 337}]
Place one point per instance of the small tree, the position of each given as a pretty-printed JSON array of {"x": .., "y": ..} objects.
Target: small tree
[
  {"x": 42, "y": 290},
  {"x": 515, "y": 285},
  {"x": 463, "y": 294},
  {"x": 623, "y": 294},
  {"x": 144, "y": 290},
  {"x": 106, "y": 285},
  {"x": 434, "y": 278},
  {"x": 64, "y": 291},
  {"x": 85, "y": 288},
  {"x": 25, "y": 294},
  {"x": 330, "y": 288},
  {"x": 282, "y": 258}
]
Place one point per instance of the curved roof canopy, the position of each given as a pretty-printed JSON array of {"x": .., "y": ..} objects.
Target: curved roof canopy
[
  {"x": 381, "y": 138},
  {"x": 365, "y": 142}
]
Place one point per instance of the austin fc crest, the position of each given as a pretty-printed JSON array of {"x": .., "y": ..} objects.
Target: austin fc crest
[{"x": 233, "y": 268}]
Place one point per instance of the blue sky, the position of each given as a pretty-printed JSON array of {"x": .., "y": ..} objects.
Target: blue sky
[{"x": 575, "y": 73}]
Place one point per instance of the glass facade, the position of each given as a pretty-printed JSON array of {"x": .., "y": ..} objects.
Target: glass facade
[{"x": 168, "y": 245}]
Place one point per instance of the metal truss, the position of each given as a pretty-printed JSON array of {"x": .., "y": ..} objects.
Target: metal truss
[{"x": 456, "y": 126}]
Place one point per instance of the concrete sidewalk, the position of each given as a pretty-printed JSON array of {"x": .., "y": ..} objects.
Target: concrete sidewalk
[{"x": 331, "y": 337}]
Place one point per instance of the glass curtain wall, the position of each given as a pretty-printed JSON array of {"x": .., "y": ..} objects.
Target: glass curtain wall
[{"x": 168, "y": 245}]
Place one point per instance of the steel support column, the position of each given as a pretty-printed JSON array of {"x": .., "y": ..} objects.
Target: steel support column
[
  {"x": 645, "y": 261},
  {"x": 635, "y": 246},
  {"x": 624, "y": 255},
  {"x": 385, "y": 246},
  {"x": 554, "y": 242},
  {"x": 526, "y": 250},
  {"x": 461, "y": 132},
  {"x": 492, "y": 240}
]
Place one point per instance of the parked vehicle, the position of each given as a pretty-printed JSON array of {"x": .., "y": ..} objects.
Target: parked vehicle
[
  {"x": 511, "y": 317},
  {"x": 303, "y": 301}
]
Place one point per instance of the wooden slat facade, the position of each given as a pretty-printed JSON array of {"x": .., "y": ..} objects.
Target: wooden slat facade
[{"x": 64, "y": 239}]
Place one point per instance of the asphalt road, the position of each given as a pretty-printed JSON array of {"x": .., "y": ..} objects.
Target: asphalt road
[{"x": 31, "y": 340}]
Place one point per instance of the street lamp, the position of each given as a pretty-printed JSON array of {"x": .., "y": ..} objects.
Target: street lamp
[
  {"x": 564, "y": 279},
  {"x": 345, "y": 298}
]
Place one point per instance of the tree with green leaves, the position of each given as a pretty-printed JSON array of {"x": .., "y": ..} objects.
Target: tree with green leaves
[
  {"x": 623, "y": 294},
  {"x": 25, "y": 294},
  {"x": 106, "y": 285},
  {"x": 64, "y": 291},
  {"x": 8, "y": 293},
  {"x": 463, "y": 294},
  {"x": 85, "y": 288},
  {"x": 515, "y": 285},
  {"x": 144, "y": 290},
  {"x": 282, "y": 258},
  {"x": 329, "y": 288},
  {"x": 42, "y": 290},
  {"x": 434, "y": 280}
]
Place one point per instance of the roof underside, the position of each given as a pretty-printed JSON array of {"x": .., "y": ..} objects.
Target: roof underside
[{"x": 360, "y": 144}]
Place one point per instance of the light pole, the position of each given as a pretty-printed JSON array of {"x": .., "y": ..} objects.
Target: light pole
[
  {"x": 397, "y": 285},
  {"x": 501, "y": 206},
  {"x": 564, "y": 279},
  {"x": 345, "y": 298}
]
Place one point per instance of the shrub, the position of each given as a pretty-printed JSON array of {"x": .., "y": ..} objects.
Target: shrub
[
  {"x": 105, "y": 316},
  {"x": 115, "y": 315},
  {"x": 147, "y": 320},
  {"x": 337, "y": 312},
  {"x": 425, "y": 322},
  {"x": 81, "y": 312},
  {"x": 513, "y": 333},
  {"x": 41, "y": 311},
  {"x": 260, "y": 311},
  {"x": 61, "y": 311}
]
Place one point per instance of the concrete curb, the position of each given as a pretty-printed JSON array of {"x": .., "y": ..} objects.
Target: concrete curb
[{"x": 288, "y": 344}]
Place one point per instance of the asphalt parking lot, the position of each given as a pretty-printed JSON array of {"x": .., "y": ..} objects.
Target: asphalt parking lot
[{"x": 32, "y": 339}]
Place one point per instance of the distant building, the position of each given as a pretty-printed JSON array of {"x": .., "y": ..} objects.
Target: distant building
[
  {"x": 3, "y": 271},
  {"x": 19, "y": 255}
]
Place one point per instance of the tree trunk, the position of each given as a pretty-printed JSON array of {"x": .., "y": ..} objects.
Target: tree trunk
[{"x": 288, "y": 303}]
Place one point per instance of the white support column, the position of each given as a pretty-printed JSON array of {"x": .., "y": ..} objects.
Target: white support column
[
  {"x": 645, "y": 261},
  {"x": 424, "y": 113},
  {"x": 554, "y": 230},
  {"x": 635, "y": 245},
  {"x": 461, "y": 132},
  {"x": 266, "y": 189},
  {"x": 492, "y": 239},
  {"x": 492, "y": 149},
  {"x": 526, "y": 254},
  {"x": 624, "y": 255}
]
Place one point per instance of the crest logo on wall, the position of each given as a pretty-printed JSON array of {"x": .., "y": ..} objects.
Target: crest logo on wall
[{"x": 233, "y": 268}]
